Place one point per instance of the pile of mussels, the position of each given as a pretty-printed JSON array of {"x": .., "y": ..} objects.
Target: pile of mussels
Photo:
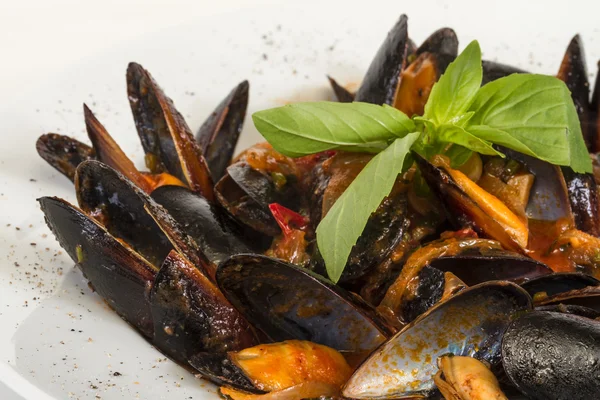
[{"x": 213, "y": 258}]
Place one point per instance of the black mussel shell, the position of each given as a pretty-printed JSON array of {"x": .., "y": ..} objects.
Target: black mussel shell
[
  {"x": 558, "y": 283},
  {"x": 551, "y": 355},
  {"x": 583, "y": 195},
  {"x": 470, "y": 323},
  {"x": 63, "y": 153},
  {"x": 217, "y": 235},
  {"x": 342, "y": 94},
  {"x": 587, "y": 297},
  {"x": 381, "y": 80},
  {"x": 571, "y": 309},
  {"x": 549, "y": 198},
  {"x": 493, "y": 70},
  {"x": 384, "y": 230},
  {"x": 442, "y": 41},
  {"x": 288, "y": 302},
  {"x": 573, "y": 71},
  {"x": 115, "y": 271},
  {"x": 246, "y": 194},
  {"x": 166, "y": 138},
  {"x": 595, "y": 115},
  {"x": 219, "y": 369},
  {"x": 191, "y": 315},
  {"x": 219, "y": 134},
  {"x": 119, "y": 205},
  {"x": 476, "y": 265}
]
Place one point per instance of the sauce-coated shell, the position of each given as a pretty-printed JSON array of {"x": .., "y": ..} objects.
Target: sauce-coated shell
[{"x": 471, "y": 323}]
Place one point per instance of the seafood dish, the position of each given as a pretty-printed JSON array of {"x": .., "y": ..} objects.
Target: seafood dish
[{"x": 435, "y": 234}]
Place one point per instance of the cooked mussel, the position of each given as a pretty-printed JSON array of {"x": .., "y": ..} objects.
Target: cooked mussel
[
  {"x": 217, "y": 235},
  {"x": 191, "y": 315},
  {"x": 278, "y": 367},
  {"x": 466, "y": 378},
  {"x": 476, "y": 209},
  {"x": 381, "y": 80},
  {"x": 167, "y": 140},
  {"x": 120, "y": 207},
  {"x": 558, "y": 283},
  {"x": 423, "y": 280},
  {"x": 219, "y": 134},
  {"x": 583, "y": 192},
  {"x": 384, "y": 230},
  {"x": 471, "y": 323},
  {"x": 246, "y": 194},
  {"x": 550, "y": 355},
  {"x": 130, "y": 214},
  {"x": 288, "y": 302},
  {"x": 116, "y": 272},
  {"x": 63, "y": 152},
  {"x": 423, "y": 69}
]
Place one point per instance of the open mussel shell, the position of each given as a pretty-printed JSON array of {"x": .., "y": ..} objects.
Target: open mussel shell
[
  {"x": 470, "y": 323},
  {"x": 443, "y": 41},
  {"x": 472, "y": 266},
  {"x": 191, "y": 315},
  {"x": 476, "y": 265},
  {"x": 63, "y": 152},
  {"x": 559, "y": 282},
  {"x": 246, "y": 194},
  {"x": 119, "y": 206},
  {"x": 550, "y": 355},
  {"x": 342, "y": 94},
  {"x": 288, "y": 302},
  {"x": 585, "y": 205},
  {"x": 493, "y": 70},
  {"x": 459, "y": 208},
  {"x": 588, "y": 297},
  {"x": 219, "y": 134},
  {"x": 549, "y": 198},
  {"x": 381, "y": 80},
  {"x": 595, "y": 114},
  {"x": 116, "y": 272},
  {"x": 384, "y": 230},
  {"x": 573, "y": 71},
  {"x": 217, "y": 235},
  {"x": 166, "y": 138}
]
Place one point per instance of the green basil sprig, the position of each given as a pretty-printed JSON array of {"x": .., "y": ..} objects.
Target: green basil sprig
[{"x": 532, "y": 114}]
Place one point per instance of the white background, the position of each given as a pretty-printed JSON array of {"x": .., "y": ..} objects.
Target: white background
[{"x": 58, "y": 54}]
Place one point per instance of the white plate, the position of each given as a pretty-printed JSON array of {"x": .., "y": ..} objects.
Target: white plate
[{"x": 58, "y": 339}]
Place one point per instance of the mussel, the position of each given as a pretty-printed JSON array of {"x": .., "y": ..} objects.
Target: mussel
[
  {"x": 289, "y": 366},
  {"x": 63, "y": 152},
  {"x": 471, "y": 323},
  {"x": 219, "y": 134},
  {"x": 287, "y": 302},
  {"x": 166, "y": 138},
  {"x": 423, "y": 280},
  {"x": 550, "y": 355}
]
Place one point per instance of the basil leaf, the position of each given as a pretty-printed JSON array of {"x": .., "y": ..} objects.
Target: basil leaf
[
  {"x": 452, "y": 95},
  {"x": 344, "y": 223},
  {"x": 532, "y": 114},
  {"x": 307, "y": 128},
  {"x": 456, "y": 134}
]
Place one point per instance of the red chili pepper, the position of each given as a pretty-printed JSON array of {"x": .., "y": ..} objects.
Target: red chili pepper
[{"x": 287, "y": 219}]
